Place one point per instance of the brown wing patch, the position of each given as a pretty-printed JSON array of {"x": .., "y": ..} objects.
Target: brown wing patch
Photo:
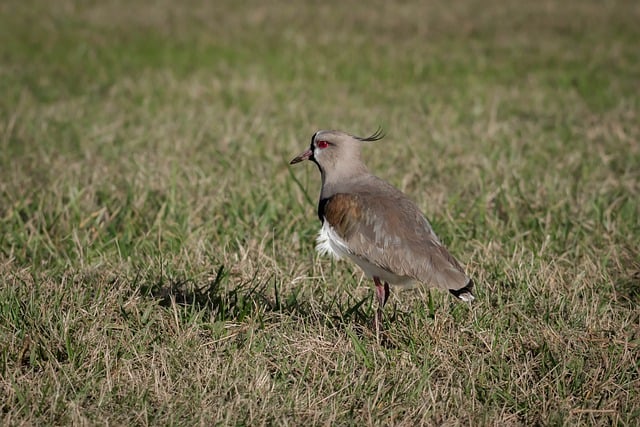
[{"x": 343, "y": 211}]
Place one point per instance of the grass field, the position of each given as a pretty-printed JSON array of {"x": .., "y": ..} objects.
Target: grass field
[{"x": 157, "y": 260}]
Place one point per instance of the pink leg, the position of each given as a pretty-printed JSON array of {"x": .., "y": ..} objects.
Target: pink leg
[{"x": 382, "y": 293}]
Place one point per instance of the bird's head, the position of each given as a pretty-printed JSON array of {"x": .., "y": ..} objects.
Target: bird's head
[{"x": 336, "y": 153}]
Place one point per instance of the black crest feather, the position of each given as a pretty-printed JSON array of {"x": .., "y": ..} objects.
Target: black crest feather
[{"x": 376, "y": 136}]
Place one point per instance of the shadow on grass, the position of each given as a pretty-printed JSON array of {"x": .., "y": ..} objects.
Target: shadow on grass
[
  {"x": 627, "y": 288},
  {"x": 625, "y": 274},
  {"x": 258, "y": 298}
]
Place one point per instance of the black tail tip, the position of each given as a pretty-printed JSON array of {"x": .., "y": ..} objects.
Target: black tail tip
[{"x": 465, "y": 293}]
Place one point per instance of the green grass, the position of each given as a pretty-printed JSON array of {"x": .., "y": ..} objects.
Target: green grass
[{"x": 157, "y": 260}]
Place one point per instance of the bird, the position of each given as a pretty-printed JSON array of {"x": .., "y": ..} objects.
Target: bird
[{"x": 369, "y": 221}]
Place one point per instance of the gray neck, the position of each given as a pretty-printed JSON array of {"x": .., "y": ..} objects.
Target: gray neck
[{"x": 346, "y": 180}]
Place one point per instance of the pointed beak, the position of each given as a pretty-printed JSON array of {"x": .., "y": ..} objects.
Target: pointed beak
[{"x": 304, "y": 156}]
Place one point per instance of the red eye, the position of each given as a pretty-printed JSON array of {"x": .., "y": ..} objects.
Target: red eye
[{"x": 322, "y": 144}]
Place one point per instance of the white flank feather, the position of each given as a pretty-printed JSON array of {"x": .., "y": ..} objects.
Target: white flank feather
[{"x": 328, "y": 242}]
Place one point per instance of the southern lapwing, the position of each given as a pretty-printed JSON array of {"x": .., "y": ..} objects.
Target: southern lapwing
[{"x": 369, "y": 221}]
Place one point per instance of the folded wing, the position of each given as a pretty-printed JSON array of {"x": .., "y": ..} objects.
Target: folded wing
[{"x": 393, "y": 234}]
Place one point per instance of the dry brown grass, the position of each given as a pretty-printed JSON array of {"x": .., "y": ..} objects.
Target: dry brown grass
[{"x": 156, "y": 251}]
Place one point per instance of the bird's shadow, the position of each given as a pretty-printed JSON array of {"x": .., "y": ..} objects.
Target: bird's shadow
[{"x": 258, "y": 298}]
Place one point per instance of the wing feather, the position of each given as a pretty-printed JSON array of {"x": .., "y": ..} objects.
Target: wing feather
[{"x": 393, "y": 234}]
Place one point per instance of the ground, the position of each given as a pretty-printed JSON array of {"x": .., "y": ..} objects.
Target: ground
[{"x": 157, "y": 260}]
